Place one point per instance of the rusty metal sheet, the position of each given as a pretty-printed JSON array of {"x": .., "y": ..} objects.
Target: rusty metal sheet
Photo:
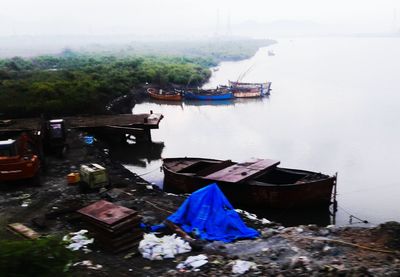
[
  {"x": 106, "y": 212},
  {"x": 242, "y": 171}
]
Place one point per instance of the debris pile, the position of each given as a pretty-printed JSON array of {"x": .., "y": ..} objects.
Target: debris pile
[
  {"x": 166, "y": 247},
  {"x": 78, "y": 240},
  {"x": 241, "y": 267},
  {"x": 193, "y": 263},
  {"x": 114, "y": 227}
]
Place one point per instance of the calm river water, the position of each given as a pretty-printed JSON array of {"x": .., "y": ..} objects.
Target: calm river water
[{"x": 334, "y": 107}]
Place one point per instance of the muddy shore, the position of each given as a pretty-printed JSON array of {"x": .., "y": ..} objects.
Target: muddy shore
[{"x": 305, "y": 250}]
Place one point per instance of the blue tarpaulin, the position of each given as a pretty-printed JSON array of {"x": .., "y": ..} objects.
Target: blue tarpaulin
[{"x": 208, "y": 214}]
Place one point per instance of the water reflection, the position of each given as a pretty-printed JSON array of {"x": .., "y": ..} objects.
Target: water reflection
[
  {"x": 136, "y": 154},
  {"x": 163, "y": 102},
  {"x": 323, "y": 115}
]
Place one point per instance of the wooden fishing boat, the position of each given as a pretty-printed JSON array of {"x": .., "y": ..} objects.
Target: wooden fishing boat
[
  {"x": 208, "y": 94},
  {"x": 161, "y": 94},
  {"x": 249, "y": 90},
  {"x": 257, "y": 183}
]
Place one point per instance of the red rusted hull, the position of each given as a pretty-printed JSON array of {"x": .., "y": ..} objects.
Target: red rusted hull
[{"x": 255, "y": 193}]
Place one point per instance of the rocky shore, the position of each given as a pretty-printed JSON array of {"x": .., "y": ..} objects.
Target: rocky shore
[{"x": 306, "y": 250}]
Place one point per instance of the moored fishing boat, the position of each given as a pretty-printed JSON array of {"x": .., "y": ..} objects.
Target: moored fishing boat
[
  {"x": 247, "y": 90},
  {"x": 161, "y": 94},
  {"x": 258, "y": 183},
  {"x": 209, "y": 94}
]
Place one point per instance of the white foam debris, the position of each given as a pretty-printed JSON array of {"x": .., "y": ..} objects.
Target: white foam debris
[
  {"x": 89, "y": 264},
  {"x": 240, "y": 266},
  {"x": 253, "y": 217},
  {"x": 193, "y": 262},
  {"x": 78, "y": 240},
  {"x": 154, "y": 248}
]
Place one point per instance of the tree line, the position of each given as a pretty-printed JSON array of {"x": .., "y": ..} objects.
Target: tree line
[
  {"x": 80, "y": 83},
  {"x": 84, "y": 82}
]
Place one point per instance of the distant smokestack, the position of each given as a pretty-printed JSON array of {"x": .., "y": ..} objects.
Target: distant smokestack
[
  {"x": 217, "y": 26},
  {"x": 228, "y": 25}
]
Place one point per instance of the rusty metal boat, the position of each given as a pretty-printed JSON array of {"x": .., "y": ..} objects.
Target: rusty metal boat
[
  {"x": 161, "y": 94},
  {"x": 255, "y": 183}
]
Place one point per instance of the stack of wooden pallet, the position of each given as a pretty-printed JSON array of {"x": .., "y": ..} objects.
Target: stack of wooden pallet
[{"x": 113, "y": 227}]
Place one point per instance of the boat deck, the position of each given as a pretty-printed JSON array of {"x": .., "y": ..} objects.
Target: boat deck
[{"x": 242, "y": 171}]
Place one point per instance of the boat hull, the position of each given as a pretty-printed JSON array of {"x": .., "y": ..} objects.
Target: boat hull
[
  {"x": 208, "y": 97},
  {"x": 248, "y": 90},
  {"x": 253, "y": 193},
  {"x": 164, "y": 96},
  {"x": 247, "y": 94}
]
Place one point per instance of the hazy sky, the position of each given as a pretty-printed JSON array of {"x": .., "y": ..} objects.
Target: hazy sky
[{"x": 154, "y": 17}]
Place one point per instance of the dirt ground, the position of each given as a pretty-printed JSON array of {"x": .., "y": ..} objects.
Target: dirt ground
[{"x": 279, "y": 251}]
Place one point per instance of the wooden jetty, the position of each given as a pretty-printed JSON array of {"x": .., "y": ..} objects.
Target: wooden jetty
[{"x": 138, "y": 125}]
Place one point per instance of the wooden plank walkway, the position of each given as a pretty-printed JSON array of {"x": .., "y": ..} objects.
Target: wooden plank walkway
[{"x": 147, "y": 121}]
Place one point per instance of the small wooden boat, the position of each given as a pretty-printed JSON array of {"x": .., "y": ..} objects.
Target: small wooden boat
[
  {"x": 258, "y": 182},
  {"x": 161, "y": 94},
  {"x": 249, "y": 90},
  {"x": 209, "y": 94}
]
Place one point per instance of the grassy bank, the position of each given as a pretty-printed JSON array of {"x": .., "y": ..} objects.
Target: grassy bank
[{"x": 83, "y": 82}]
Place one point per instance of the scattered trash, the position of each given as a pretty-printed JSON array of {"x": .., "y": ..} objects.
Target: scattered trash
[
  {"x": 73, "y": 178},
  {"x": 88, "y": 139},
  {"x": 78, "y": 241},
  {"x": 193, "y": 262},
  {"x": 253, "y": 216},
  {"x": 89, "y": 264},
  {"x": 240, "y": 267},
  {"x": 26, "y": 203},
  {"x": 130, "y": 255},
  {"x": 154, "y": 248}
]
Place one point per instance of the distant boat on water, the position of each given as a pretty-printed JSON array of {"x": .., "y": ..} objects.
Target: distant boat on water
[
  {"x": 249, "y": 90},
  {"x": 209, "y": 94},
  {"x": 161, "y": 94}
]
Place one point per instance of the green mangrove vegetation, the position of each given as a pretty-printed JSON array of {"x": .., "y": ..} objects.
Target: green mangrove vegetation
[
  {"x": 83, "y": 82},
  {"x": 42, "y": 257}
]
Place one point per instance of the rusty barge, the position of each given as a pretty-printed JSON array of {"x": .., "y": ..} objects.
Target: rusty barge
[{"x": 257, "y": 183}]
